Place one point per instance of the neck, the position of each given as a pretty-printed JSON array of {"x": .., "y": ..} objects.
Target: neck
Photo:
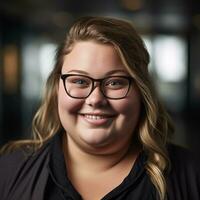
[{"x": 91, "y": 162}]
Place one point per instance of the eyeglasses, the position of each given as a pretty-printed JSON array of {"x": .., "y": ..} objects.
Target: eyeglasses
[{"x": 81, "y": 86}]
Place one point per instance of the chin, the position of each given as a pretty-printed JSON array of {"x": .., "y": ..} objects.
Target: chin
[{"x": 96, "y": 140}]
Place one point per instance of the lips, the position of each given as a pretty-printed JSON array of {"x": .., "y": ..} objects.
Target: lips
[{"x": 97, "y": 119}]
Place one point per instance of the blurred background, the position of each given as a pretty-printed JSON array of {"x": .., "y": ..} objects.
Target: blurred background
[{"x": 31, "y": 30}]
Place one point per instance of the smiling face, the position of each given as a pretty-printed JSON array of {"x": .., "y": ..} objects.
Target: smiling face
[{"x": 97, "y": 123}]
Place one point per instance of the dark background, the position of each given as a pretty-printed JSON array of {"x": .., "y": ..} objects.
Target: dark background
[{"x": 30, "y": 31}]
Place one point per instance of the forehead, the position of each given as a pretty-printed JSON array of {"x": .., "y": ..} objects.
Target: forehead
[{"x": 91, "y": 56}]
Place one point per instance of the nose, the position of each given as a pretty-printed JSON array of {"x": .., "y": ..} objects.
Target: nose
[{"x": 96, "y": 98}]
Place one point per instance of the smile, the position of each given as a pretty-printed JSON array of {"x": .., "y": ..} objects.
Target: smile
[{"x": 95, "y": 117}]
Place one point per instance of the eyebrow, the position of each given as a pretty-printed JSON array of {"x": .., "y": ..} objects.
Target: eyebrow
[{"x": 106, "y": 74}]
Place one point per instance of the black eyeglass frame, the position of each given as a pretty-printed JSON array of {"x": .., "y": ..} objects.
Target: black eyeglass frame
[{"x": 101, "y": 80}]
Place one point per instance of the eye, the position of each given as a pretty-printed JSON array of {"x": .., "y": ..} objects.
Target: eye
[
  {"x": 116, "y": 83},
  {"x": 78, "y": 81}
]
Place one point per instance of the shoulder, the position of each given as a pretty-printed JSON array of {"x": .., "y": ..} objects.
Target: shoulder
[
  {"x": 182, "y": 158},
  {"x": 10, "y": 160},
  {"x": 19, "y": 157},
  {"x": 20, "y": 167},
  {"x": 184, "y": 175}
]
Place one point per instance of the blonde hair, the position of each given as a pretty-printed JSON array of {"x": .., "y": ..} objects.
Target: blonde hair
[{"x": 154, "y": 126}]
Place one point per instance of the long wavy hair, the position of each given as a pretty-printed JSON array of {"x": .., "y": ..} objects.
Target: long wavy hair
[{"x": 154, "y": 125}]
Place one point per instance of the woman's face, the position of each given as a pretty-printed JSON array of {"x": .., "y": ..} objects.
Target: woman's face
[{"x": 97, "y": 123}]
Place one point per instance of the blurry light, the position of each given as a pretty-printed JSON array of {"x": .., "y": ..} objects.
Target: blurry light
[
  {"x": 10, "y": 69},
  {"x": 30, "y": 71},
  {"x": 172, "y": 20},
  {"x": 46, "y": 59},
  {"x": 132, "y": 4},
  {"x": 37, "y": 61},
  {"x": 60, "y": 19},
  {"x": 170, "y": 58}
]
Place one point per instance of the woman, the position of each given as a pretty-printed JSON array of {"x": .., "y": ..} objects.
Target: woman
[{"x": 101, "y": 132}]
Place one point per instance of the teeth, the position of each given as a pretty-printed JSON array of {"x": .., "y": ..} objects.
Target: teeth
[{"x": 96, "y": 117}]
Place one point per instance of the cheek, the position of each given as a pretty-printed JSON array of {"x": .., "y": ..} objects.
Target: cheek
[
  {"x": 129, "y": 112},
  {"x": 134, "y": 103},
  {"x": 67, "y": 104},
  {"x": 128, "y": 107}
]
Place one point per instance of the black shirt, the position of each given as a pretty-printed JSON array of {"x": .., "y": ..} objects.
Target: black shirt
[{"x": 42, "y": 176}]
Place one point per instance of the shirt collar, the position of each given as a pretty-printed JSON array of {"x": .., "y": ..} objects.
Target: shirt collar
[{"x": 57, "y": 167}]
